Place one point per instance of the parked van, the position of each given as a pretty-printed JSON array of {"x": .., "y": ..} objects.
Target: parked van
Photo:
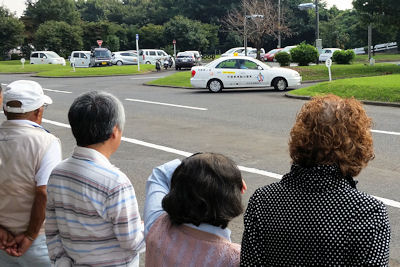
[
  {"x": 46, "y": 57},
  {"x": 100, "y": 57},
  {"x": 81, "y": 59},
  {"x": 150, "y": 56}
]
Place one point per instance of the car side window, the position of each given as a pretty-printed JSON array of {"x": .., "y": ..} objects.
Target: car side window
[
  {"x": 251, "y": 65},
  {"x": 125, "y": 54},
  {"x": 75, "y": 55},
  {"x": 152, "y": 53},
  {"x": 227, "y": 64},
  {"x": 42, "y": 55},
  {"x": 34, "y": 55},
  {"x": 83, "y": 55},
  {"x": 159, "y": 53}
]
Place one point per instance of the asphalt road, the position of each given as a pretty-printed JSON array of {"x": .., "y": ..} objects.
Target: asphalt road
[{"x": 251, "y": 126}]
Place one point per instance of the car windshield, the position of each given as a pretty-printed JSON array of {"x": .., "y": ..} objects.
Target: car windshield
[
  {"x": 52, "y": 54},
  {"x": 102, "y": 53}
]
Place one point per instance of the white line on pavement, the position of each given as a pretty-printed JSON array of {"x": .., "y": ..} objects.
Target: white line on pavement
[
  {"x": 57, "y": 91},
  {"x": 164, "y": 104},
  {"x": 148, "y": 77},
  {"x": 388, "y": 202},
  {"x": 385, "y": 132}
]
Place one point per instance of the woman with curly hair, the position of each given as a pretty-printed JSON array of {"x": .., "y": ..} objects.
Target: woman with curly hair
[{"x": 315, "y": 216}]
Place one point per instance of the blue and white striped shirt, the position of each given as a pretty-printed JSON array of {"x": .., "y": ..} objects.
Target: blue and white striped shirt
[{"x": 92, "y": 215}]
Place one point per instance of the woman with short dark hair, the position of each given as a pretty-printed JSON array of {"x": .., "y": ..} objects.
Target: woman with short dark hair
[
  {"x": 315, "y": 216},
  {"x": 188, "y": 207}
]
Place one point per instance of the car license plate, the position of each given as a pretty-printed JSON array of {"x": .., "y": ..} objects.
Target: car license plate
[{"x": 103, "y": 63}]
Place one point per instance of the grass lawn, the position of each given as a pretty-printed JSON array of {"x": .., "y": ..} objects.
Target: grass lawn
[
  {"x": 320, "y": 72},
  {"x": 377, "y": 57},
  {"x": 67, "y": 71},
  {"x": 308, "y": 73},
  {"x": 382, "y": 88},
  {"x": 179, "y": 79}
]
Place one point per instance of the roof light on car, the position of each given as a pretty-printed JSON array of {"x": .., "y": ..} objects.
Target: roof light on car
[{"x": 193, "y": 73}]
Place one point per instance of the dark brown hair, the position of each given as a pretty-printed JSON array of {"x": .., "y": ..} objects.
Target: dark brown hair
[{"x": 205, "y": 188}]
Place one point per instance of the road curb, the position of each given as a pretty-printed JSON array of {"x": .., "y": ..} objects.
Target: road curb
[
  {"x": 367, "y": 102},
  {"x": 168, "y": 86},
  {"x": 94, "y": 76}
]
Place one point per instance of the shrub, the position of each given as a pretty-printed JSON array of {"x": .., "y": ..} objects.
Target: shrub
[
  {"x": 15, "y": 56},
  {"x": 304, "y": 54},
  {"x": 283, "y": 58},
  {"x": 343, "y": 57}
]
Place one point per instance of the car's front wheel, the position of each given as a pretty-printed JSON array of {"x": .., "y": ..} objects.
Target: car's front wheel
[
  {"x": 119, "y": 63},
  {"x": 280, "y": 84},
  {"x": 215, "y": 86}
]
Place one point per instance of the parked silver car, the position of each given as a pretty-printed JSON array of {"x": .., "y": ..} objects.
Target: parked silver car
[{"x": 124, "y": 58}]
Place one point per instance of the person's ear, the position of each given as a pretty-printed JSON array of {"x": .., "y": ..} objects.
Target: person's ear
[{"x": 244, "y": 187}]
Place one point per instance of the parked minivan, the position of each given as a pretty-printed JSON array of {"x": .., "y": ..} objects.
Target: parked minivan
[
  {"x": 150, "y": 56},
  {"x": 81, "y": 59},
  {"x": 46, "y": 57},
  {"x": 100, "y": 57}
]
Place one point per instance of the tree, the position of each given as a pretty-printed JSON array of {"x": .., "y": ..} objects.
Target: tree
[
  {"x": 42, "y": 11},
  {"x": 256, "y": 20},
  {"x": 151, "y": 36},
  {"x": 380, "y": 13},
  {"x": 190, "y": 34},
  {"x": 11, "y": 31},
  {"x": 111, "y": 33},
  {"x": 58, "y": 36}
]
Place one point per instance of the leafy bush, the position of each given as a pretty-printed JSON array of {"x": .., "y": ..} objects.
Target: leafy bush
[
  {"x": 15, "y": 56},
  {"x": 343, "y": 57},
  {"x": 283, "y": 58},
  {"x": 304, "y": 54}
]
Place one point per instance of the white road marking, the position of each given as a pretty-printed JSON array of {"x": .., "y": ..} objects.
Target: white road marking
[
  {"x": 148, "y": 77},
  {"x": 57, "y": 91},
  {"x": 385, "y": 132},
  {"x": 46, "y": 89},
  {"x": 164, "y": 104},
  {"x": 386, "y": 201}
]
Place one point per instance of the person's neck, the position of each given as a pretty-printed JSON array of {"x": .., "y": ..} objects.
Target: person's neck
[{"x": 102, "y": 148}]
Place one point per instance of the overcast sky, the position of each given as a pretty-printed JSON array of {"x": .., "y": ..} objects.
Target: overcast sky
[{"x": 18, "y": 6}]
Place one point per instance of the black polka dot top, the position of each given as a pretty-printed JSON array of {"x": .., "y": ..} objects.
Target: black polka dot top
[{"x": 314, "y": 217}]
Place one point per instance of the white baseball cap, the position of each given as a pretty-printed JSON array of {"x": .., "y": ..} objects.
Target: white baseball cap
[{"x": 29, "y": 93}]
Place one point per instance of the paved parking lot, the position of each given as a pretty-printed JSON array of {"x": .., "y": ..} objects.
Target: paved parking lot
[{"x": 250, "y": 126}]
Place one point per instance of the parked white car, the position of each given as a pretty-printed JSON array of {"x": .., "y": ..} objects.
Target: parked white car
[
  {"x": 253, "y": 53},
  {"x": 81, "y": 59},
  {"x": 288, "y": 48},
  {"x": 124, "y": 58},
  {"x": 150, "y": 56},
  {"x": 46, "y": 57},
  {"x": 231, "y": 52},
  {"x": 197, "y": 56},
  {"x": 327, "y": 53},
  {"x": 239, "y": 71}
]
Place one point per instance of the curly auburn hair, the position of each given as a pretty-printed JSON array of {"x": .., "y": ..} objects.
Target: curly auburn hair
[{"x": 331, "y": 130}]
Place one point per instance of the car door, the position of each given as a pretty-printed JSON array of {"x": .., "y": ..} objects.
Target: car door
[
  {"x": 84, "y": 59},
  {"x": 250, "y": 73},
  {"x": 228, "y": 72},
  {"x": 43, "y": 58},
  {"x": 34, "y": 58},
  {"x": 132, "y": 58}
]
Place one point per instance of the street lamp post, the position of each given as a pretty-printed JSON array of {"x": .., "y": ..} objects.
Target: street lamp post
[
  {"x": 245, "y": 29},
  {"x": 279, "y": 23},
  {"x": 318, "y": 42}
]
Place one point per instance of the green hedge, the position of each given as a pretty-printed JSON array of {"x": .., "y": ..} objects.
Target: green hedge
[
  {"x": 283, "y": 58},
  {"x": 304, "y": 54},
  {"x": 343, "y": 57}
]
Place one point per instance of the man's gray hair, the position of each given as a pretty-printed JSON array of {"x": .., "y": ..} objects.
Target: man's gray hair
[{"x": 94, "y": 115}]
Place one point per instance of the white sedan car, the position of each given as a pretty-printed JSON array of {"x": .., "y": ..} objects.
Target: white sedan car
[{"x": 239, "y": 71}]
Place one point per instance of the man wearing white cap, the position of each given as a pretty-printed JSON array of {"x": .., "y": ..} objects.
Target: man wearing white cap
[{"x": 28, "y": 154}]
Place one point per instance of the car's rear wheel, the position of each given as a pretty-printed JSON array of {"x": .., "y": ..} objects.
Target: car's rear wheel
[
  {"x": 215, "y": 86},
  {"x": 119, "y": 63},
  {"x": 280, "y": 84},
  {"x": 148, "y": 62}
]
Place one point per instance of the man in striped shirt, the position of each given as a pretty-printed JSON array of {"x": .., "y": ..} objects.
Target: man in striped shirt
[{"x": 92, "y": 216}]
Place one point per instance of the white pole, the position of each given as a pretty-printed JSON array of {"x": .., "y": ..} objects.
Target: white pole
[
  {"x": 279, "y": 24},
  {"x": 137, "y": 50}
]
